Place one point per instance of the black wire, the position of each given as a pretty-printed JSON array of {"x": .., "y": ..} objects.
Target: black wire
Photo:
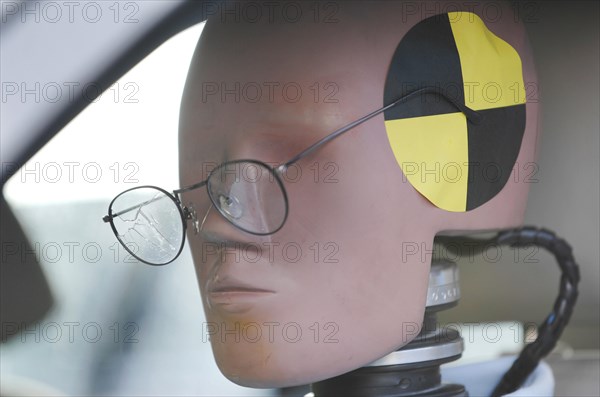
[{"x": 550, "y": 330}]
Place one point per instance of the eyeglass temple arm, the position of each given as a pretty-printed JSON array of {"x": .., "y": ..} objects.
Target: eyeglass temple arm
[
  {"x": 473, "y": 116},
  {"x": 108, "y": 218}
]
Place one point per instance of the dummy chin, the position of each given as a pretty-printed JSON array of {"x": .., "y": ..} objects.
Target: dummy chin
[{"x": 344, "y": 281}]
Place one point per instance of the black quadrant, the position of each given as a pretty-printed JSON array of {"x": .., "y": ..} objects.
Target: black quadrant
[
  {"x": 426, "y": 56},
  {"x": 493, "y": 149}
]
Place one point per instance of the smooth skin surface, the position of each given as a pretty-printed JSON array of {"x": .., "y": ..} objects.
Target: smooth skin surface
[{"x": 339, "y": 288}]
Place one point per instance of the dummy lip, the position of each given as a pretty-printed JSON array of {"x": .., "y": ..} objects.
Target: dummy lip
[
  {"x": 223, "y": 289},
  {"x": 229, "y": 285},
  {"x": 235, "y": 297}
]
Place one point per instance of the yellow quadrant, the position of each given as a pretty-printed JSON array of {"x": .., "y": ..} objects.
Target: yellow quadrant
[
  {"x": 491, "y": 68},
  {"x": 433, "y": 153}
]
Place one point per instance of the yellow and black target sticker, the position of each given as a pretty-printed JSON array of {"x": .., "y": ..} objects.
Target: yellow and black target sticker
[{"x": 455, "y": 164}]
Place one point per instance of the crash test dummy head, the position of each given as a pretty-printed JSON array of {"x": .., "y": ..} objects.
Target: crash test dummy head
[{"x": 327, "y": 271}]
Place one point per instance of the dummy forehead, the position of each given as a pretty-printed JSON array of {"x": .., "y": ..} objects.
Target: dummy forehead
[
  {"x": 309, "y": 75},
  {"x": 299, "y": 73}
]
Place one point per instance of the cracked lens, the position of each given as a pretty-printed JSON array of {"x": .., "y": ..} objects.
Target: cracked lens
[{"x": 149, "y": 225}]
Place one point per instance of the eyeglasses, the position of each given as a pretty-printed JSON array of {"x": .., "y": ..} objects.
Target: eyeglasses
[{"x": 150, "y": 222}]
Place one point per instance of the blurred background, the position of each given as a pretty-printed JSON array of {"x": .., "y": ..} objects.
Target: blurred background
[{"x": 117, "y": 327}]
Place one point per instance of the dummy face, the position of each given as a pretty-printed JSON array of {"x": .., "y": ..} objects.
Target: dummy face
[{"x": 340, "y": 284}]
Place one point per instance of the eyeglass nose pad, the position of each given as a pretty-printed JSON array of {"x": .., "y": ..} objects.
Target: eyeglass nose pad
[
  {"x": 231, "y": 206},
  {"x": 191, "y": 214}
]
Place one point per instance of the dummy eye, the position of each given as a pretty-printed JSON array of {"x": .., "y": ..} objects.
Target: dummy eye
[{"x": 230, "y": 205}]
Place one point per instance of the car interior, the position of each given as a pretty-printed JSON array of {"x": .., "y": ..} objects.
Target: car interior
[{"x": 90, "y": 99}]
